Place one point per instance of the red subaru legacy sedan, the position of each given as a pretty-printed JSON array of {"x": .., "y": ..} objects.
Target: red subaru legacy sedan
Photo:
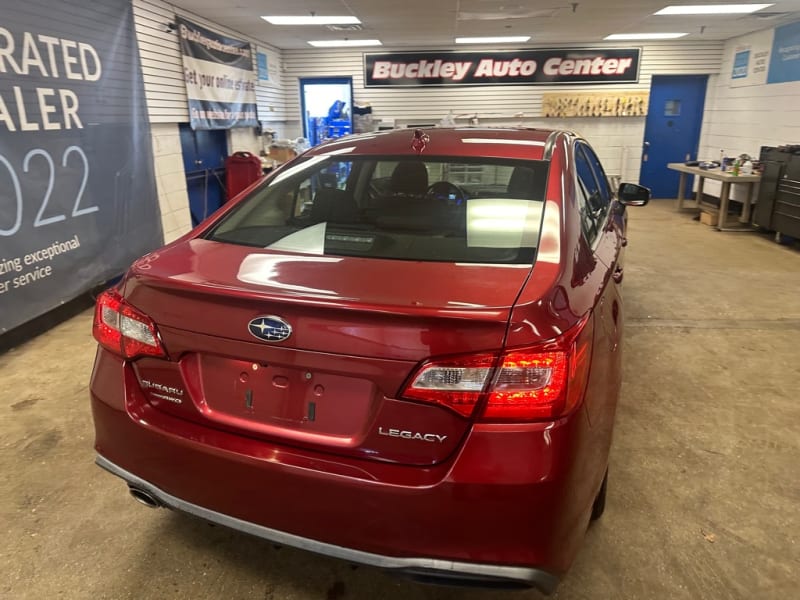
[{"x": 401, "y": 349}]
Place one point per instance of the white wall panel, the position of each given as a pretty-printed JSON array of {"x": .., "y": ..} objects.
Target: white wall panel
[{"x": 617, "y": 140}]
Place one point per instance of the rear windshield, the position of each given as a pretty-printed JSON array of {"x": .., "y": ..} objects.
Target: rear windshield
[{"x": 421, "y": 208}]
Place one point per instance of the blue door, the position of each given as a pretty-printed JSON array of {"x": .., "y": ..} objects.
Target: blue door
[
  {"x": 204, "y": 155},
  {"x": 672, "y": 130}
]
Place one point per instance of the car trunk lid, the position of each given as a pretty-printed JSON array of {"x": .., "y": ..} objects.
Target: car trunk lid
[{"x": 359, "y": 329}]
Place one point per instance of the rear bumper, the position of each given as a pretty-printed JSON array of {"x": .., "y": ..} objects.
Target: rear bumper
[
  {"x": 415, "y": 567},
  {"x": 510, "y": 507}
]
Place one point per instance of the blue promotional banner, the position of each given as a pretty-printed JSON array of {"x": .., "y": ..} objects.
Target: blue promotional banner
[
  {"x": 78, "y": 199},
  {"x": 784, "y": 64}
]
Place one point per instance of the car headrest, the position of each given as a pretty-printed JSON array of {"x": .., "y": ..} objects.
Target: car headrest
[
  {"x": 334, "y": 205},
  {"x": 409, "y": 177},
  {"x": 520, "y": 184}
]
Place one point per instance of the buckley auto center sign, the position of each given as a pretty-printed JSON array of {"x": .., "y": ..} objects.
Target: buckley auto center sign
[{"x": 531, "y": 67}]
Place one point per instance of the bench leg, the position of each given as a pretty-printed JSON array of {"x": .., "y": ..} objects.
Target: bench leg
[
  {"x": 723, "y": 204},
  {"x": 681, "y": 188},
  {"x": 745, "y": 218},
  {"x": 698, "y": 199}
]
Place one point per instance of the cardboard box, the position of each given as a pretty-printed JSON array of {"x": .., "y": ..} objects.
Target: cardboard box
[
  {"x": 281, "y": 154},
  {"x": 711, "y": 219},
  {"x": 707, "y": 218}
]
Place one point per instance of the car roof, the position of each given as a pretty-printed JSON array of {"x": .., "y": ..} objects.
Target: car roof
[{"x": 515, "y": 143}]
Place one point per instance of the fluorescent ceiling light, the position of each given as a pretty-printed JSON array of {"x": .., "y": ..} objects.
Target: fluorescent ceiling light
[
  {"x": 344, "y": 43},
  {"x": 712, "y": 9},
  {"x": 644, "y": 36},
  {"x": 312, "y": 20},
  {"x": 502, "y": 39}
]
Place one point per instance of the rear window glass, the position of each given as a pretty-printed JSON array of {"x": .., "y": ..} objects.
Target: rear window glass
[{"x": 409, "y": 208}]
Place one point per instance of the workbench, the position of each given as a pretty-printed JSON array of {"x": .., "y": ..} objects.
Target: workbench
[{"x": 727, "y": 178}]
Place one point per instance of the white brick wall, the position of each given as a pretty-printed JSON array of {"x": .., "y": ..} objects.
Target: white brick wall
[
  {"x": 170, "y": 180},
  {"x": 243, "y": 139}
]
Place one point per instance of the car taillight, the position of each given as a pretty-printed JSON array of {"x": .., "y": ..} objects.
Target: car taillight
[
  {"x": 123, "y": 329},
  {"x": 518, "y": 385},
  {"x": 457, "y": 383},
  {"x": 528, "y": 386}
]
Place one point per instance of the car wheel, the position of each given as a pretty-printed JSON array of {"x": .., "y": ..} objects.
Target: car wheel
[{"x": 600, "y": 500}]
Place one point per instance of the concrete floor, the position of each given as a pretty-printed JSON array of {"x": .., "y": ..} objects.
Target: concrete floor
[{"x": 705, "y": 469}]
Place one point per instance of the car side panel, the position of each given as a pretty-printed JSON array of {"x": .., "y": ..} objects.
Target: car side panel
[
  {"x": 606, "y": 374},
  {"x": 583, "y": 286}
]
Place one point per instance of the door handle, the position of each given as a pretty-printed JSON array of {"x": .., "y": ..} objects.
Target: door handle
[
  {"x": 617, "y": 276},
  {"x": 623, "y": 242}
]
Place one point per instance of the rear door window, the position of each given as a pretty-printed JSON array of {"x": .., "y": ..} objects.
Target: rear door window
[
  {"x": 586, "y": 196},
  {"x": 594, "y": 191},
  {"x": 405, "y": 208},
  {"x": 602, "y": 198}
]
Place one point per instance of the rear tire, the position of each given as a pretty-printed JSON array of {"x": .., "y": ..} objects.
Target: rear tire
[{"x": 599, "y": 505}]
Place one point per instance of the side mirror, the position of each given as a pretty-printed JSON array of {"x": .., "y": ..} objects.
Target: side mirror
[{"x": 633, "y": 194}]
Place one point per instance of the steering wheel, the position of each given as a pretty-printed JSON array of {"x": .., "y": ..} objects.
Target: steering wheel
[{"x": 446, "y": 192}]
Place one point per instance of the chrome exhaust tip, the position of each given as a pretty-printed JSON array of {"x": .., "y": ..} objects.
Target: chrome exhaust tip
[{"x": 144, "y": 497}]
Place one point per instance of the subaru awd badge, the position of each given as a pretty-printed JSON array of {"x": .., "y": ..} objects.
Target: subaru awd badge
[{"x": 270, "y": 328}]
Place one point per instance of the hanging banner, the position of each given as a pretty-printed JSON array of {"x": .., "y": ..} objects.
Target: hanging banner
[
  {"x": 220, "y": 82},
  {"x": 784, "y": 64},
  {"x": 529, "y": 67},
  {"x": 78, "y": 200}
]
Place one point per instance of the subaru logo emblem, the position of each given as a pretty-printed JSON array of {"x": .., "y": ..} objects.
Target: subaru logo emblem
[{"x": 270, "y": 328}]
